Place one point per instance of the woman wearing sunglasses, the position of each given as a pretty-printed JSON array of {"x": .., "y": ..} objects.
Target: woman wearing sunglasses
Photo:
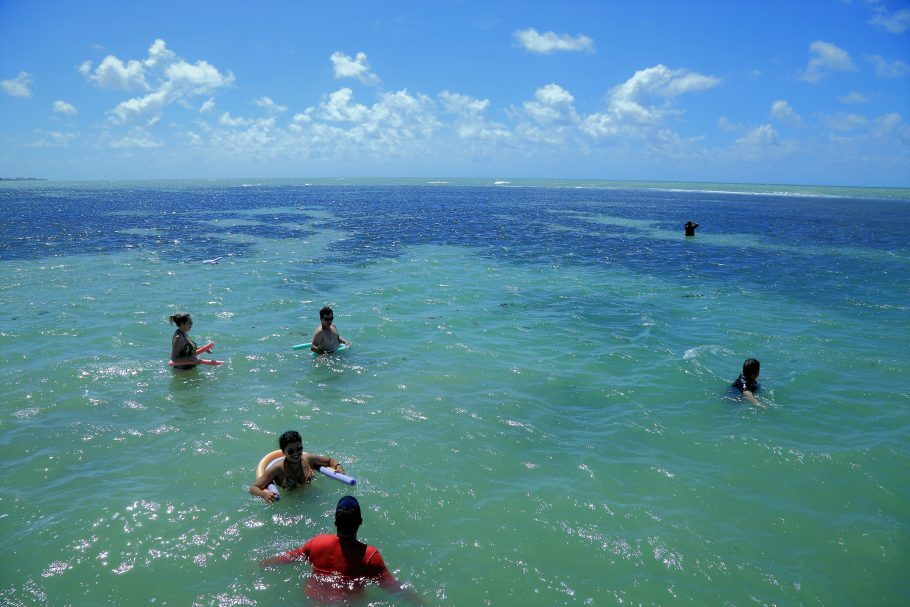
[{"x": 296, "y": 467}]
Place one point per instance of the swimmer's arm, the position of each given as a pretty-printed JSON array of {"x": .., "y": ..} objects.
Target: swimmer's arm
[
  {"x": 331, "y": 463},
  {"x": 292, "y": 556},
  {"x": 259, "y": 487},
  {"x": 752, "y": 399},
  {"x": 338, "y": 335}
]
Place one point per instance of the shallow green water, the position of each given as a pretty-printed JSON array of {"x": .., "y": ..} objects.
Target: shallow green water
[{"x": 538, "y": 433}]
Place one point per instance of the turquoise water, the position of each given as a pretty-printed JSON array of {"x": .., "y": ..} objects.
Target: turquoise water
[{"x": 534, "y": 405}]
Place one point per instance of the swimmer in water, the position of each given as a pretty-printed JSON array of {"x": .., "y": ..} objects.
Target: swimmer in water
[
  {"x": 747, "y": 382},
  {"x": 183, "y": 349},
  {"x": 298, "y": 467},
  {"x": 343, "y": 565},
  {"x": 690, "y": 228},
  {"x": 326, "y": 338}
]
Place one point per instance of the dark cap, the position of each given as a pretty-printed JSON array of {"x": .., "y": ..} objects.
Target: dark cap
[
  {"x": 347, "y": 504},
  {"x": 347, "y": 516}
]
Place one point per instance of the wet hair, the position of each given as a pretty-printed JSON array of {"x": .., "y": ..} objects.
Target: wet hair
[
  {"x": 325, "y": 311},
  {"x": 179, "y": 318},
  {"x": 291, "y": 436},
  {"x": 751, "y": 367},
  {"x": 347, "y": 516}
]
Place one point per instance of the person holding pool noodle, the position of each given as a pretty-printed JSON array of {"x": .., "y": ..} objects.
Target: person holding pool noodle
[{"x": 297, "y": 468}]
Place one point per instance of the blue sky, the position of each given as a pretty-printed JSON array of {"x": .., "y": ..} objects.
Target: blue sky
[{"x": 814, "y": 92}]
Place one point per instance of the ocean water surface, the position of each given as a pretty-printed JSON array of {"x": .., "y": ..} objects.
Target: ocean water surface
[{"x": 535, "y": 404}]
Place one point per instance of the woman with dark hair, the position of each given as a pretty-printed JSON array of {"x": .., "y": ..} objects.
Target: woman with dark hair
[
  {"x": 297, "y": 468},
  {"x": 183, "y": 349}
]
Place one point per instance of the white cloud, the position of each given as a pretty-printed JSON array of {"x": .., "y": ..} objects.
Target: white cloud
[
  {"x": 550, "y": 42},
  {"x": 889, "y": 69},
  {"x": 353, "y": 67},
  {"x": 20, "y": 86},
  {"x": 895, "y": 23},
  {"x": 632, "y": 100},
  {"x": 226, "y": 120},
  {"x": 62, "y": 107},
  {"x": 725, "y": 124},
  {"x": 158, "y": 53},
  {"x": 762, "y": 143},
  {"x": 149, "y": 105},
  {"x": 136, "y": 138},
  {"x": 338, "y": 107},
  {"x": 783, "y": 113},
  {"x": 270, "y": 106},
  {"x": 207, "y": 106},
  {"x": 891, "y": 126},
  {"x": 825, "y": 58},
  {"x": 52, "y": 139},
  {"x": 551, "y": 103},
  {"x": 470, "y": 121},
  {"x": 112, "y": 73},
  {"x": 844, "y": 122},
  {"x": 169, "y": 78},
  {"x": 853, "y": 98}
]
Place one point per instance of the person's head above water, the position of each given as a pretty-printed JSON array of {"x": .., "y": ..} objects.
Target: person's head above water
[
  {"x": 751, "y": 368},
  {"x": 180, "y": 319},
  {"x": 347, "y": 516},
  {"x": 288, "y": 438},
  {"x": 326, "y": 314}
]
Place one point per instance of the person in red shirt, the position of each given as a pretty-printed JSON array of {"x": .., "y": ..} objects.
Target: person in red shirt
[{"x": 342, "y": 565}]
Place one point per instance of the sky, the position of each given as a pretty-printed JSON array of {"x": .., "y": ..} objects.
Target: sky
[{"x": 756, "y": 91}]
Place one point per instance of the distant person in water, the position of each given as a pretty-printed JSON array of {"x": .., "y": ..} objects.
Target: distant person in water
[
  {"x": 183, "y": 349},
  {"x": 747, "y": 382},
  {"x": 297, "y": 469},
  {"x": 690, "y": 228},
  {"x": 326, "y": 338},
  {"x": 342, "y": 565}
]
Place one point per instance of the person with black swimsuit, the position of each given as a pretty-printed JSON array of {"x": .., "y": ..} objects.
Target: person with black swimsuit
[{"x": 183, "y": 349}]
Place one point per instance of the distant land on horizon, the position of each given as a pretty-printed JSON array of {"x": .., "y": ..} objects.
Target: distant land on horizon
[{"x": 22, "y": 179}]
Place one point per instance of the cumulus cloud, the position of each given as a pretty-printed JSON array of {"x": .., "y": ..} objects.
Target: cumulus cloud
[
  {"x": 635, "y": 99},
  {"x": 112, "y": 73},
  {"x": 549, "y": 42},
  {"x": 470, "y": 119},
  {"x": 784, "y": 114},
  {"x": 895, "y": 23},
  {"x": 760, "y": 144},
  {"x": 207, "y": 106},
  {"x": 20, "y": 86},
  {"x": 551, "y": 103},
  {"x": 338, "y": 107},
  {"x": 62, "y": 107},
  {"x": 725, "y": 124},
  {"x": 357, "y": 67},
  {"x": 270, "y": 106},
  {"x": 889, "y": 69},
  {"x": 845, "y": 122},
  {"x": 169, "y": 79},
  {"x": 136, "y": 138},
  {"x": 824, "y": 59},
  {"x": 853, "y": 98},
  {"x": 52, "y": 139}
]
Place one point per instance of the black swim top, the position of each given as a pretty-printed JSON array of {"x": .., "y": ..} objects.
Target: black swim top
[
  {"x": 189, "y": 348},
  {"x": 742, "y": 384}
]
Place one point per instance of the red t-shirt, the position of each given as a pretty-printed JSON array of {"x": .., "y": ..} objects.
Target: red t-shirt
[{"x": 338, "y": 567}]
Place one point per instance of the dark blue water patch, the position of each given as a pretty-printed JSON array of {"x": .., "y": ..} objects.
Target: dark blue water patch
[
  {"x": 549, "y": 226},
  {"x": 68, "y": 221}
]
